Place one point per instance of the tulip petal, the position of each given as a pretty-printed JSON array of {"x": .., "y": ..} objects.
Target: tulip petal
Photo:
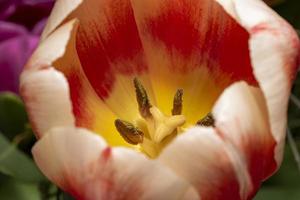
[
  {"x": 58, "y": 50},
  {"x": 119, "y": 40},
  {"x": 274, "y": 49},
  {"x": 194, "y": 45},
  {"x": 81, "y": 163},
  {"x": 241, "y": 118},
  {"x": 111, "y": 53},
  {"x": 60, "y": 11},
  {"x": 41, "y": 85},
  {"x": 214, "y": 169},
  {"x": 40, "y": 90},
  {"x": 242, "y": 131},
  {"x": 109, "y": 50}
]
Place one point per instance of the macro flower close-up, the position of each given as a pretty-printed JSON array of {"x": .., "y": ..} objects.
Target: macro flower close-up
[{"x": 160, "y": 99}]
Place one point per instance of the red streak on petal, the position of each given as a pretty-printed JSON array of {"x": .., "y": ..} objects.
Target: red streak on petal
[
  {"x": 292, "y": 62},
  {"x": 122, "y": 40},
  {"x": 175, "y": 28},
  {"x": 95, "y": 63},
  {"x": 261, "y": 161},
  {"x": 259, "y": 154},
  {"x": 223, "y": 40},
  {"x": 234, "y": 55},
  {"x": 83, "y": 118},
  {"x": 100, "y": 50},
  {"x": 106, "y": 154}
]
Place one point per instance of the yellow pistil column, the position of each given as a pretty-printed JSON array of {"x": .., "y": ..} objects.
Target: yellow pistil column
[
  {"x": 160, "y": 131},
  {"x": 154, "y": 130}
]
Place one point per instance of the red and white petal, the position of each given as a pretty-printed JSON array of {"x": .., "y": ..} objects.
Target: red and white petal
[
  {"x": 58, "y": 50},
  {"x": 60, "y": 11},
  {"x": 119, "y": 40},
  {"x": 274, "y": 50},
  {"x": 44, "y": 90},
  {"x": 209, "y": 164},
  {"x": 53, "y": 48},
  {"x": 194, "y": 45},
  {"x": 80, "y": 162},
  {"x": 241, "y": 119},
  {"x": 111, "y": 53},
  {"x": 47, "y": 99},
  {"x": 240, "y": 146}
]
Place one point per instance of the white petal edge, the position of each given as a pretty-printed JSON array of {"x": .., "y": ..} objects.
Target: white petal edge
[
  {"x": 241, "y": 126},
  {"x": 53, "y": 47},
  {"x": 80, "y": 162},
  {"x": 274, "y": 50},
  {"x": 41, "y": 85},
  {"x": 47, "y": 99},
  {"x": 241, "y": 118},
  {"x": 207, "y": 162},
  {"x": 60, "y": 11}
]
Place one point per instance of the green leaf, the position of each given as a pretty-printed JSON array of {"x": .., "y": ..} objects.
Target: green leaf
[
  {"x": 290, "y": 10},
  {"x": 278, "y": 193},
  {"x": 13, "y": 117},
  {"x": 16, "y": 164},
  {"x": 17, "y": 190},
  {"x": 66, "y": 196},
  {"x": 285, "y": 183}
]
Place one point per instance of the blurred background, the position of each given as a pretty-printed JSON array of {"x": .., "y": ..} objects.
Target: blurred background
[{"x": 21, "y": 23}]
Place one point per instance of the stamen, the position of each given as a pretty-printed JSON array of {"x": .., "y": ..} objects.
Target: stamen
[
  {"x": 129, "y": 132},
  {"x": 142, "y": 99},
  {"x": 177, "y": 103},
  {"x": 207, "y": 121}
]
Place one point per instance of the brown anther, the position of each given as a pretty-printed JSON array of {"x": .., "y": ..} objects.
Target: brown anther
[
  {"x": 207, "y": 121},
  {"x": 142, "y": 99},
  {"x": 177, "y": 102},
  {"x": 129, "y": 132}
]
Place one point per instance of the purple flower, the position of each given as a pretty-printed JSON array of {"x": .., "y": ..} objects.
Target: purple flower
[
  {"x": 21, "y": 23},
  {"x": 26, "y": 12},
  {"x": 16, "y": 45}
]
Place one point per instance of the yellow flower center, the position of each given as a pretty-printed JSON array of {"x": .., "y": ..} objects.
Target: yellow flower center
[{"x": 154, "y": 130}]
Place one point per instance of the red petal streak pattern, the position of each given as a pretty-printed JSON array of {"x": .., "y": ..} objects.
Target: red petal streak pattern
[
  {"x": 203, "y": 28},
  {"x": 108, "y": 37}
]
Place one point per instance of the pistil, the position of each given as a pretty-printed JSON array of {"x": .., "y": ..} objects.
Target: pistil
[
  {"x": 154, "y": 130},
  {"x": 164, "y": 125}
]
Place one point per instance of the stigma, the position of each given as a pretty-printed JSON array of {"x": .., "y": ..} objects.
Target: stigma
[{"x": 153, "y": 130}]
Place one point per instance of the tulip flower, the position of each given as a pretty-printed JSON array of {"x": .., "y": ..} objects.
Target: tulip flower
[
  {"x": 16, "y": 46},
  {"x": 160, "y": 99}
]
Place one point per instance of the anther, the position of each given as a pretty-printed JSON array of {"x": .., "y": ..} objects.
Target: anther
[
  {"x": 177, "y": 103},
  {"x": 207, "y": 121},
  {"x": 129, "y": 132},
  {"x": 142, "y": 99}
]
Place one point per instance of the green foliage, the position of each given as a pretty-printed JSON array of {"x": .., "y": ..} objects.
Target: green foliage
[
  {"x": 20, "y": 179},
  {"x": 13, "y": 117},
  {"x": 13, "y": 189},
  {"x": 16, "y": 164},
  {"x": 285, "y": 183},
  {"x": 290, "y": 10}
]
